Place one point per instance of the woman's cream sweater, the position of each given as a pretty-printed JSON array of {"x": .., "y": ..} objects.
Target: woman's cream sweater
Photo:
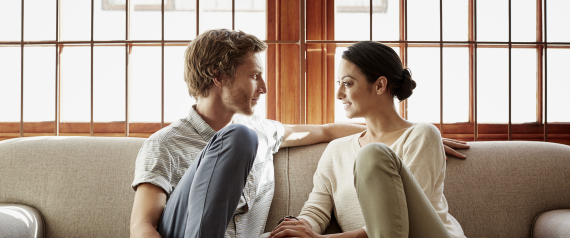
[{"x": 419, "y": 147}]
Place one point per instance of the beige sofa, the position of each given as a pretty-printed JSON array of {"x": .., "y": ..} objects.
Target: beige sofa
[{"x": 81, "y": 185}]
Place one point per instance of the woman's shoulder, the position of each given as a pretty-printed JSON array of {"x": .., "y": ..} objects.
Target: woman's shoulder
[
  {"x": 339, "y": 148},
  {"x": 425, "y": 130},
  {"x": 344, "y": 141}
]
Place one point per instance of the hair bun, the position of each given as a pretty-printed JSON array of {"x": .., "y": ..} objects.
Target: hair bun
[{"x": 406, "y": 87}]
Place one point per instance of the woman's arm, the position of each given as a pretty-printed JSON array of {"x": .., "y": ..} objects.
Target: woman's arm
[
  {"x": 425, "y": 157},
  {"x": 317, "y": 210},
  {"x": 302, "y": 229}
]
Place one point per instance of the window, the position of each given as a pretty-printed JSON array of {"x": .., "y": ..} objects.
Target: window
[
  {"x": 98, "y": 67},
  {"x": 486, "y": 70}
]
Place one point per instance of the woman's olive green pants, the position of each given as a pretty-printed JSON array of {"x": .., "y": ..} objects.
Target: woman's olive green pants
[{"x": 392, "y": 201}]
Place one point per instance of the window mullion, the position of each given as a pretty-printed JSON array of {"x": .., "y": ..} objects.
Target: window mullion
[
  {"x": 91, "y": 126},
  {"x": 58, "y": 48}
]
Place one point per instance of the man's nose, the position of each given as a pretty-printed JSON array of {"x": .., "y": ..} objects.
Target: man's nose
[{"x": 262, "y": 86}]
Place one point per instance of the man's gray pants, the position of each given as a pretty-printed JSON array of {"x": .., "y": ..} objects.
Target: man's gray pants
[{"x": 206, "y": 198}]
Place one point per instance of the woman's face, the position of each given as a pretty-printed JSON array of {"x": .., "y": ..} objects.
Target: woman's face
[{"x": 356, "y": 94}]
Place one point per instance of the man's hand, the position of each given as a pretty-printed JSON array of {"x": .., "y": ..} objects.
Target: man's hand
[
  {"x": 450, "y": 145},
  {"x": 147, "y": 209},
  {"x": 294, "y": 228}
]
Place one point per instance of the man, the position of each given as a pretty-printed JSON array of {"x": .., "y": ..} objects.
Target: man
[{"x": 215, "y": 167}]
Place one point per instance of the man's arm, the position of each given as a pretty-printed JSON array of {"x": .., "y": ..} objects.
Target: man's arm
[
  {"x": 298, "y": 135},
  {"x": 147, "y": 209}
]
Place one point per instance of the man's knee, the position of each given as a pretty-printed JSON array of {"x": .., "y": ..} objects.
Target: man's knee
[
  {"x": 375, "y": 156},
  {"x": 240, "y": 136}
]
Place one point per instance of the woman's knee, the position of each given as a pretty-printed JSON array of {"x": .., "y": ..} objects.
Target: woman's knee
[{"x": 375, "y": 156}]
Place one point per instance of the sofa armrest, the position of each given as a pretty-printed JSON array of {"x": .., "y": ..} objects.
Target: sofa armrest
[
  {"x": 20, "y": 221},
  {"x": 552, "y": 224}
]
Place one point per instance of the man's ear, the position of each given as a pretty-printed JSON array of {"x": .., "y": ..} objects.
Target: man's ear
[
  {"x": 218, "y": 78},
  {"x": 381, "y": 85}
]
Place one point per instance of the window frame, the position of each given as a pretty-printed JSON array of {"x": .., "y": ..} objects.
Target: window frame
[{"x": 304, "y": 28}]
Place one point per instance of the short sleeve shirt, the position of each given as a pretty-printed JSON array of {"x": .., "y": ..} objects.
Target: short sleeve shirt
[{"x": 167, "y": 154}]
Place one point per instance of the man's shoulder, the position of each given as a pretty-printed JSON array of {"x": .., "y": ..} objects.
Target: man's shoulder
[
  {"x": 258, "y": 124},
  {"x": 250, "y": 120},
  {"x": 179, "y": 129}
]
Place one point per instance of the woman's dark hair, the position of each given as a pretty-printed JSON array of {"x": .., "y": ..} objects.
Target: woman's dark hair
[{"x": 375, "y": 60}]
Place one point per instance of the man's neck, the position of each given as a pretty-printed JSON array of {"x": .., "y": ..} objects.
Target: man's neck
[{"x": 214, "y": 113}]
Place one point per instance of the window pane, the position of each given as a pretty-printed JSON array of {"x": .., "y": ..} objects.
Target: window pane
[
  {"x": 493, "y": 20},
  {"x": 558, "y": 20},
  {"x": 215, "y": 14},
  {"x": 558, "y": 83},
  {"x": 523, "y": 22},
  {"x": 251, "y": 18},
  {"x": 75, "y": 84},
  {"x": 145, "y": 84},
  {"x": 11, "y": 18},
  {"x": 75, "y": 20},
  {"x": 177, "y": 100},
  {"x": 109, "y": 20},
  {"x": 39, "y": 83},
  {"x": 352, "y": 20},
  {"x": 455, "y": 20},
  {"x": 181, "y": 23},
  {"x": 10, "y": 80},
  {"x": 108, "y": 83},
  {"x": 492, "y": 85},
  {"x": 386, "y": 20},
  {"x": 423, "y": 20},
  {"x": 523, "y": 85},
  {"x": 39, "y": 20},
  {"x": 146, "y": 24},
  {"x": 455, "y": 85},
  {"x": 423, "y": 105}
]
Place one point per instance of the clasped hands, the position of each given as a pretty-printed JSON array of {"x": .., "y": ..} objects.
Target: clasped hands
[{"x": 291, "y": 227}]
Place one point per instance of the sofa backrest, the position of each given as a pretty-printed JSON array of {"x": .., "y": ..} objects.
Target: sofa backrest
[
  {"x": 81, "y": 185},
  {"x": 496, "y": 192}
]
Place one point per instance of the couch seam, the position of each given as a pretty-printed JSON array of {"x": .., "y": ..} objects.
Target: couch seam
[{"x": 288, "y": 182}]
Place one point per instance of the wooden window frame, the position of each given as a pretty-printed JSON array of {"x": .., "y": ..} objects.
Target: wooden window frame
[
  {"x": 314, "y": 95},
  {"x": 300, "y": 74}
]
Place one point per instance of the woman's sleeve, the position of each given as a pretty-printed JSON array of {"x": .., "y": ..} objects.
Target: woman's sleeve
[
  {"x": 318, "y": 208},
  {"x": 425, "y": 157}
]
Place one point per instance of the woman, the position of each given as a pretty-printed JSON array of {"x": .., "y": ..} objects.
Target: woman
[{"x": 388, "y": 180}]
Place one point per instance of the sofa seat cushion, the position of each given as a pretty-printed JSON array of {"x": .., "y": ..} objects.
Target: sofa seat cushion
[
  {"x": 552, "y": 224},
  {"x": 20, "y": 221}
]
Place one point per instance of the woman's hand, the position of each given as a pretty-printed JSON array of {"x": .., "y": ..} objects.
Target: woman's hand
[
  {"x": 450, "y": 145},
  {"x": 294, "y": 228}
]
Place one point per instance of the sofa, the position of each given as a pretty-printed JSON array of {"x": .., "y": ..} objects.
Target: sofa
[{"x": 80, "y": 187}]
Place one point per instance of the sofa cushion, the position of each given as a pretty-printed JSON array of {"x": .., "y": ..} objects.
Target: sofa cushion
[
  {"x": 552, "y": 224},
  {"x": 20, "y": 221},
  {"x": 81, "y": 185}
]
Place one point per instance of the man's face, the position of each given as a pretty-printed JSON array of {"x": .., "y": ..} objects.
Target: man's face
[{"x": 241, "y": 95}]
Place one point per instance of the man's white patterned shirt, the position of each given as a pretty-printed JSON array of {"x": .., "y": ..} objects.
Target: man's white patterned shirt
[{"x": 168, "y": 153}]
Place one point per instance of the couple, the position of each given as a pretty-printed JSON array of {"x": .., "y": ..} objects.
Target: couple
[{"x": 210, "y": 174}]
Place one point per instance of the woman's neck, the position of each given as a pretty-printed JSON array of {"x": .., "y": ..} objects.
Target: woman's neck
[{"x": 384, "y": 126}]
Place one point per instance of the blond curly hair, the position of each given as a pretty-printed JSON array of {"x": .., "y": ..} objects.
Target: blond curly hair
[{"x": 214, "y": 53}]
